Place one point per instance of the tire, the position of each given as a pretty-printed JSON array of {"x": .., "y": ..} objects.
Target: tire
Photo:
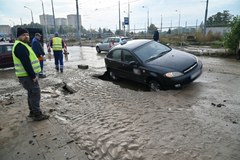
[
  {"x": 154, "y": 85},
  {"x": 113, "y": 76},
  {"x": 98, "y": 50},
  {"x": 81, "y": 66}
]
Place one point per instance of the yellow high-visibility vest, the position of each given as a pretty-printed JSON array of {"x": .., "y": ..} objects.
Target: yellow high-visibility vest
[
  {"x": 56, "y": 44},
  {"x": 19, "y": 69}
]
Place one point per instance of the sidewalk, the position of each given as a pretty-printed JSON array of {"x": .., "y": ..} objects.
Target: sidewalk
[{"x": 43, "y": 140}]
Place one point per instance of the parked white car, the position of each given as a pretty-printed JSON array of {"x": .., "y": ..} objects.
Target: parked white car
[{"x": 110, "y": 42}]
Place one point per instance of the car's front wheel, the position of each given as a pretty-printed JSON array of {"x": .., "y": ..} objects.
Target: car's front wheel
[
  {"x": 154, "y": 85},
  {"x": 113, "y": 76},
  {"x": 98, "y": 50}
]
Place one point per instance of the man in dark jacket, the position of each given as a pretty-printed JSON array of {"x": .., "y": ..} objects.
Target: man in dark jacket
[
  {"x": 38, "y": 49},
  {"x": 156, "y": 36},
  {"x": 27, "y": 68}
]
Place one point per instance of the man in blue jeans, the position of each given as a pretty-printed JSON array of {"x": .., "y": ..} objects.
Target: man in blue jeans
[
  {"x": 38, "y": 50},
  {"x": 57, "y": 46},
  {"x": 26, "y": 69}
]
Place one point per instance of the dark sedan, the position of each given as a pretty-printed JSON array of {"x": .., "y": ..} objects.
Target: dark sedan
[
  {"x": 6, "y": 59},
  {"x": 152, "y": 63}
]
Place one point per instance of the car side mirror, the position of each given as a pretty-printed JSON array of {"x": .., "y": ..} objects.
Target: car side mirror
[
  {"x": 123, "y": 42},
  {"x": 132, "y": 63}
]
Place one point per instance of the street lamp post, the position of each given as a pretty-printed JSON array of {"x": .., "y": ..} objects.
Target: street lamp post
[
  {"x": 147, "y": 16},
  {"x": 179, "y": 19},
  {"x": 12, "y": 22},
  {"x": 44, "y": 19},
  {"x": 31, "y": 13}
]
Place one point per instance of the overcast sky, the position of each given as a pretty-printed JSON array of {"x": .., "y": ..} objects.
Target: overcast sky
[{"x": 105, "y": 13}]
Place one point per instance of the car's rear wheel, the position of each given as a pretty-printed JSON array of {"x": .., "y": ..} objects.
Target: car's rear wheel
[
  {"x": 154, "y": 85},
  {"x": 98, "y": 50}
]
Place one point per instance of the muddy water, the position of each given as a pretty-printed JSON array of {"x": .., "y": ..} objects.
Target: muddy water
[{"x": 116, "y": 121}]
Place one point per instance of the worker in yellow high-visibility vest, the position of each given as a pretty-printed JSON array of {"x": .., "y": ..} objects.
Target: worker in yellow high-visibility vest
[
  {"x": 27, "y": 68},
  {"x": 57, "y": 46}
]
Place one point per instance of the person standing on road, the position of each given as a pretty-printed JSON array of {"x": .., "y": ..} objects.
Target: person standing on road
[
  {"x": 156, "y": 36},
  {"x": 27, "y": 67},
  {"x": 238, "y": 51},
  {"x": 49, "y": 51},
  {"x": 57, "y": 46},
  {"x": 65, "y": 52},
  {"x": 38, "y": 50}
]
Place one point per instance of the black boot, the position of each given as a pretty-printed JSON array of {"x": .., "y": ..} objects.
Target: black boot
[{"x": 40, "y": 117}]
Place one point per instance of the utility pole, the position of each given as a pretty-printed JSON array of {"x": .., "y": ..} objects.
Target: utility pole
[
  {"x": 78, "y": 27},
  {"x": 119, "y": 16},
  {"x": 44, "y": 19},
  {"x": 53, "y": 17},
  {"x": 205, "y": 19},
  {"x": 128, "y": 17},
  {"x": 161, "y": 23}
]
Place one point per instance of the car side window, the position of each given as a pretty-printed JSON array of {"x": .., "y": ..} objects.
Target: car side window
[
  {"x": 1, "y": 49},
  {"x": 116, "y": 40},
  {"x": 127, "y": 57},
  {"x": 105, "y": 40},
  {"x": 116, "y": 55},
  {"x": 9, "y": 48}
]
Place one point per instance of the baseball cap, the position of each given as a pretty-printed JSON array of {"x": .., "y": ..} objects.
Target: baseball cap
[{"x": 38, "y": 34}]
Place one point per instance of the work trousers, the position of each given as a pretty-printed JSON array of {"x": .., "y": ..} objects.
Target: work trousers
[
  {"x": 41, "y": 64},
  {"x": 34, "y": 94},
  {"x": 58, "y": 57}
]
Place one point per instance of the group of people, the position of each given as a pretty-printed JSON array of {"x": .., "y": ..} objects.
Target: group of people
[{"x": 28, "y": 63}]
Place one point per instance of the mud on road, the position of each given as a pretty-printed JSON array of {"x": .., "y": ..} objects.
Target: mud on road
[{"x": 111, "y": 120}]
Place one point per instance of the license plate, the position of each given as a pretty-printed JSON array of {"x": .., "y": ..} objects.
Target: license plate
[{"x": 194, "y": 75}]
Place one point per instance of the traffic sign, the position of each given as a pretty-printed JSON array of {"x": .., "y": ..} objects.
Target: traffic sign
[{"x": 126, "y": 20}]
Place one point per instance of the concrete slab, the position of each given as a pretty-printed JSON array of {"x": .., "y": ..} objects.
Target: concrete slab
[
  {"x": 61, "y": 153},
  {"x": 54, "y": 142},
  {"x": 44, "y": 140}
]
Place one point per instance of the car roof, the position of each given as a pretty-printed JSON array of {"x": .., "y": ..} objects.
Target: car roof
[
  {"x": 118, "y": 37},
  {"x": 133, "y": 44},
  {"x": 5, "y": 43}
]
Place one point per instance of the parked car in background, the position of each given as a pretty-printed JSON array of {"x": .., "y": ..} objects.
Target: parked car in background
[
  {"x": 152, "y": 63},
  {"x": 6, "y": 59},
  {"x": 110, "y": 42}
]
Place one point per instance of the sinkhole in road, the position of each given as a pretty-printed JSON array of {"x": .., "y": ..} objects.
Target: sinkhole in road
[{"x": 123, "y": 83}]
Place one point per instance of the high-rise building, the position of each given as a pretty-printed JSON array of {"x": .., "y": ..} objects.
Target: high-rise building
[
  {"x": 5, "y": 29},
  {"x": 61, "y": 21},
  {"x": 72, "y": 20},
  {"x": 49, "y": 20}
]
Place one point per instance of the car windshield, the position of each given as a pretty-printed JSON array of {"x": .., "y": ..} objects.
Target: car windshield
[{"x": 151, "y": 51}]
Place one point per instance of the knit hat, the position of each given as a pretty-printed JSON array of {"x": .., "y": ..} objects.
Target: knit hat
[
  {"x": 56, "y": 33},
  {"x": 20, "y": 31}
]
